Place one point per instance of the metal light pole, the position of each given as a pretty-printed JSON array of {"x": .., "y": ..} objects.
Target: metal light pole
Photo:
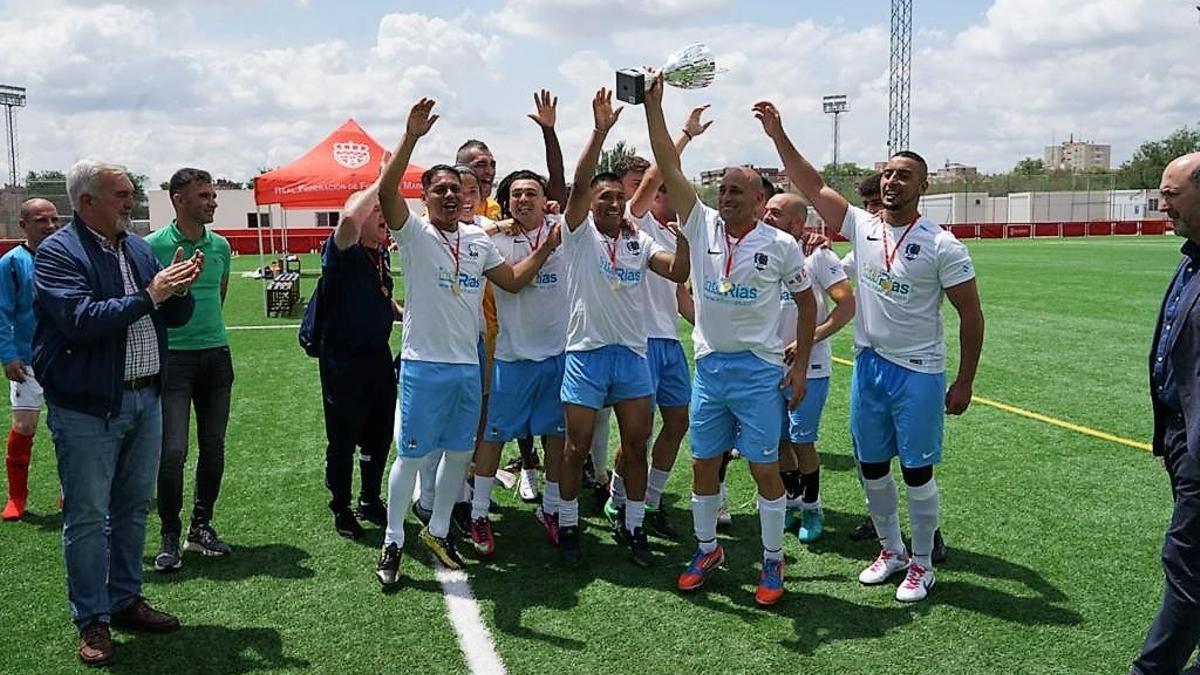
[
  {"x": 12, "y": 98},
  {"x": 835, "y": 105}
]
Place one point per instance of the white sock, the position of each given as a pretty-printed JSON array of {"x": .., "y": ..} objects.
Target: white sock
[
  {"x": 599, "y": 447},
  {"x": 770, "y": 521},
  {"x": 722, "y": 494},
  {"x": 656, "y": 483},
  {"x": 481, "y": 501},
  {"x": 618, "y": 490},
  {"x": 923, "y": 506},
  {"x": 568, "y": 513},
  {"x": 400, "y": 489},
  {"x": 550, "y": 498},
  {"x": 704, "y": 520},
  {"x": 429, "y": 469},
  {"x": 449, "y": 482},
  {"x": 883, "y": 503},
  {"x": 465, "y": 492},
  {"x": 635, "y": 513}
]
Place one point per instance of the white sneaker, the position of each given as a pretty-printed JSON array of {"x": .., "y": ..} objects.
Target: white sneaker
[
  {"x": 724, "y": 518},
  {"x": 527, "y": 485},
  {"x": 916, "y": 584},
  {"x": 887, "y": 564}
]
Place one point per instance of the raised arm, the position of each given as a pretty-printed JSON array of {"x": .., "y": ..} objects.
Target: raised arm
[
  {"x": 965, "y": 298},
  {"x": 513, "y": 278},
  {"x": 679, "y": 188},
  {"x": 395, "y": 209},
  {"x": 546, "y": 116},
  {"x": 644, "y": 196},
  {"x": 677, "y": 266},
  {"x": 604, "y": 118},
  {"x": 357, "y": 209},
  {"x": 831, "y": 205}
]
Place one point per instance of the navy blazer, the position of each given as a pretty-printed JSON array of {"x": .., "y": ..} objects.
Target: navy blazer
[
  {"x": 82, "y": 313},
  {"x": 1183, "y": 349}
]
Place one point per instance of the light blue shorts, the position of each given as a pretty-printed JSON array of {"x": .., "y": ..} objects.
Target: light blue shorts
[
  {"x": 669, "y": 373},
  {"x": 598, "y": 378},
  {"x": 802, "y": 424},
  {"x": 525, "y": 400},
  {"x": 895, "y": 411},
  {"x": 737, "y": 403},
  {"x": 439, "y": 407}
]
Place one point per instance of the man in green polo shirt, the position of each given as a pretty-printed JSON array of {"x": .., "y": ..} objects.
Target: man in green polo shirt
[{"x": 199, "y": 373}]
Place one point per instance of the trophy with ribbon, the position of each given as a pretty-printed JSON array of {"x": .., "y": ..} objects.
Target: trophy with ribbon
[{"x": 692, "y": 67}]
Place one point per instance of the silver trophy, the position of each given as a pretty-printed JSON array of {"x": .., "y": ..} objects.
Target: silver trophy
[{"x": 692, "y": 67}]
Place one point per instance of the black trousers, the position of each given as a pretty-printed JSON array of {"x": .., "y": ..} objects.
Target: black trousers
[
  {"x": 201, "y": 378},
  {"x": 1176, "y": 630},
  {"x": 358, "y": 389}
]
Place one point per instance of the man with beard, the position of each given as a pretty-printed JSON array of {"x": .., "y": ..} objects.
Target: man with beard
[
  {"x": 905, "y": 265},
  {"x": 102, "y": 306},
  {"x": 445, "y": 262}
]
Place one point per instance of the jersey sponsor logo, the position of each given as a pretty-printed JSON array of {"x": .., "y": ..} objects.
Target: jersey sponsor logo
[
  {"x": 545, "y": 279},
  {"x": 886, "y": 284},
  {"x": 629, "y": 277},
  {"x": 739, "y": 294},
  {"x": 834, "y": 269},
  {"x": 966, "y": 268},
  {"x": 465, "y": 280},
  {"x": 760, "y": 261},
  {"x": 870, "y": 238},
  {"x": 911, "y": 251}
]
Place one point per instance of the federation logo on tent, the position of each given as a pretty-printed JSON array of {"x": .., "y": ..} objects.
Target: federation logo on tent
[{"x": 351, "y": 155}]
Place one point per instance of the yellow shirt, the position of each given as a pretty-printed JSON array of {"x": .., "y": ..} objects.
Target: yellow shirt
[{"x": 491, "y": 209}]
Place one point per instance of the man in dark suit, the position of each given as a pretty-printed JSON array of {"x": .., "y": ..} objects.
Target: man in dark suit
[{"x": 1175, "y": 398}]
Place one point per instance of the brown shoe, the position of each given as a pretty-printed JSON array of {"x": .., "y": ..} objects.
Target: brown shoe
[
  {"x": 140, "y": 616},
  {"x": 96, "y": 645}
]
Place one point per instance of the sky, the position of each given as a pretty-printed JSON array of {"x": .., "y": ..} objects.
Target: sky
[{"x": 233, "y": 86}]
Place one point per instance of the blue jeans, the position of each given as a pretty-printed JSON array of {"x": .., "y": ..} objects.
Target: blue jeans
[{"x": 107, "y": 469}]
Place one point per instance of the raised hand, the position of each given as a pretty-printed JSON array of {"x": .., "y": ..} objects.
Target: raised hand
[
  {"x": 768, "y": 114},
  {"x": 419, "y": 118},
  {"x": 602, "y": 110},
  {"x": 547, "y": 109},
  {"x": 693, "y": 127},
  {"x": 654, "y": 92}
]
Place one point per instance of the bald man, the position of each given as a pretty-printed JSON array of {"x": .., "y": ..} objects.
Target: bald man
[
  {"x": 39, "y": 218},
  {"x": 1175, "y": 399},
  {"x": 799, "y": 464}
]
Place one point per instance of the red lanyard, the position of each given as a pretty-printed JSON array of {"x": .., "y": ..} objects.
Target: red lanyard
[
  {"x": 453, "y": 251},
  {"x": 731, "y": 249},
  {"x": 537, "y": 241},
  {"x": 612, "y": 249},
  {"x": 889, "y": 257}
]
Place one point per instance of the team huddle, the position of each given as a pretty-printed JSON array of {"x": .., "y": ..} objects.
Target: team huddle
[{"x": 587, "y": 287}]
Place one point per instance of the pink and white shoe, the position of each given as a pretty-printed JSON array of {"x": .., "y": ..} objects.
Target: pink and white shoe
[
  {"x": 887, "y": 564},
  {"x": 916, "y": 584}
]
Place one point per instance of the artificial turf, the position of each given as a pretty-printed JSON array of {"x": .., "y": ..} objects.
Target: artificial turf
[{"x": 1054, "y": 536}]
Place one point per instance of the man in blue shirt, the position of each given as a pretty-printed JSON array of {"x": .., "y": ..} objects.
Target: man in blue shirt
[
  {"x": 39, "y": 218},
  {"x": 1175, "y": 398}
]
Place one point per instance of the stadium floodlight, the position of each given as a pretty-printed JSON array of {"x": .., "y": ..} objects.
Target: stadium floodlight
[
  {"x": 835, "y": 105},
  {"x": 11, "y": 98}
]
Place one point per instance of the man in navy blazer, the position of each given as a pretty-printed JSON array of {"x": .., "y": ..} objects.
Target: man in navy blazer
[
  {"x": 1175, "y": 398},
  {"x": 102, "y": 304}
]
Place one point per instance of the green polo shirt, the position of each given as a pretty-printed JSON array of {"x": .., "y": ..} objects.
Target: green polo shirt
[{"x": 206, "y": 329}]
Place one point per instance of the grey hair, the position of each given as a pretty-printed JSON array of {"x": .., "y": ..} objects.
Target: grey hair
[{"x": 83, "y": 178}]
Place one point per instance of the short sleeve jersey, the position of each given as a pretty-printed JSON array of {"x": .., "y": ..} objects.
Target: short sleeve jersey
[
  {"x": 825, "y": 270},
  {"x": 902, "y": 273},
  {"x": 443, "y": 289},
  {"x": 662, "y": 306},
  {"x": 533, "y": 322},
  {"x": 604, "y": 286},
  {"x": 737, "y": 285}
]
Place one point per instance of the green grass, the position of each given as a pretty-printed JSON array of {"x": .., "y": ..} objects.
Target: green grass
[{"x": 1053, "y": 536}]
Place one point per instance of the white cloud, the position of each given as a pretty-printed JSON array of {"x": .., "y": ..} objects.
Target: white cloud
[{"x": 552, "y": 19}]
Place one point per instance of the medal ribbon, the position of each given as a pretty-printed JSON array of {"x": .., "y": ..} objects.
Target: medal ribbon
[
  {"x": 612, "y": 252},
  {"x": 731, "y": 249},
  {"x": 889, "y": 257},
  {"x": 455, "y": 250}
]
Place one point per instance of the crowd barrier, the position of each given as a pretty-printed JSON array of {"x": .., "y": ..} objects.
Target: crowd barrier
[{"x": 308, "y": 239}]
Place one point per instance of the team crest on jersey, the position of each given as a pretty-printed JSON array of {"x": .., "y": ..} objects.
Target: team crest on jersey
[
  {"x": 760, "y": 261},
  {"x": 472, "y": 251},
  {"x": 912, "y": 251},
  {"x": 633, "y": 246}
]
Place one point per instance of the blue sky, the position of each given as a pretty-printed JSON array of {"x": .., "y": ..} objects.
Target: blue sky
[{"x": 234, "y": 85}]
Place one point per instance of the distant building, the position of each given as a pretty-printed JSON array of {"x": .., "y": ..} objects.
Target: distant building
[
  {"x": 1078, "y": 156},
  {"x": 712, "y": 177},
  {"x": 953, "y": 172}
]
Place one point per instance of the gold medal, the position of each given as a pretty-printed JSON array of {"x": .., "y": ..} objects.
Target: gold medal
[
  {"x": 726, "y": 286},
  {"x": 886, "y": 284},
  {"x": 456, "y": 289},
  {"x": 616, "y": 284}
]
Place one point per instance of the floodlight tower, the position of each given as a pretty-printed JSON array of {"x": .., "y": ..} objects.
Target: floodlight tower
[
  {"x": 12, "y": 98},
  {"x": 835, "y": 105},
  {"x": 899, "y": 76}
]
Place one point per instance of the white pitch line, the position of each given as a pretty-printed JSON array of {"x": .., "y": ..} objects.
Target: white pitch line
[
  {"x": 473, "y": 636},
  {"x": 269, "y": 326}
]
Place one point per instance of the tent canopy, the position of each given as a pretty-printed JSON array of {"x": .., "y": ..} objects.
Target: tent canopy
[{"x": 346, "y": 161}]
